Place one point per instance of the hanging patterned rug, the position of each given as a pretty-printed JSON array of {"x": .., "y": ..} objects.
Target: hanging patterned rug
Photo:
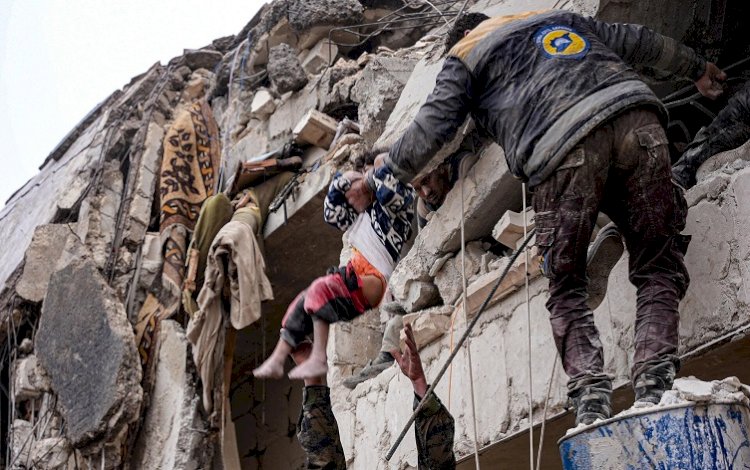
[{"x": 188, "y": 176}]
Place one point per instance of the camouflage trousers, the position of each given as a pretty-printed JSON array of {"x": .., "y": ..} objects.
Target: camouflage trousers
[
  {"x": 622, "y": 168},
  {"x": 318, "y": 432}
]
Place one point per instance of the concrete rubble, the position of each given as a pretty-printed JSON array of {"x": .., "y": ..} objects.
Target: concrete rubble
[
  {"x": 173, "y": 433},
  {"x": 86, "y": 345},
  {"x": 284, "y": 69},
  {"x": 85, "y": 253}
]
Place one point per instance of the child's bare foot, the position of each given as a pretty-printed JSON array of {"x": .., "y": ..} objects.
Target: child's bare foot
[
  {"x": 310, "y": 369},
  {"x": 270, "y": 370}
]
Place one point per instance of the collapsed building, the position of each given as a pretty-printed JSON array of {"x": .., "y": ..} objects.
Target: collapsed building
[{"x": 84, "y": 255}]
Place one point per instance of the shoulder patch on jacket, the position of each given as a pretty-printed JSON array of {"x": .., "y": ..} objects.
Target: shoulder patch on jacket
[{"x": 558, "y": 41}]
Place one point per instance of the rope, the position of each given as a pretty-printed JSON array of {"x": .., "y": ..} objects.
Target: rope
[
  {"x": 461, "y": 341},
  {"x": 466, "y": 320},
  {"x": 528, "y": 329}
]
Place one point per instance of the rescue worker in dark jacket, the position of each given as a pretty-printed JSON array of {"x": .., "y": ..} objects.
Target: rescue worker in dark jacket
[
  {"x": 556, "y": 90},
  {"x": 434, "y": 429}
]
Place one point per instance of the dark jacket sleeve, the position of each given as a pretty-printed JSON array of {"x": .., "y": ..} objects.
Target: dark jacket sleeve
[
  {"x": 436, "y": 123},
  {"x": 639, "y": 45},
  {"x": 729, "y": 130},
  {"x": 435, "y": 430}
]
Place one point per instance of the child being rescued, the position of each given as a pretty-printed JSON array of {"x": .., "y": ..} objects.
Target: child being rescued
[{"x": 377, "y": 210}]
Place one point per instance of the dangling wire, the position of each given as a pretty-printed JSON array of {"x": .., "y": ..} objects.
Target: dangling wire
[
  {"x": 528, "y": 328},
  {"x": 544, "y": 414},
  {"x": 466, "y": 321}
]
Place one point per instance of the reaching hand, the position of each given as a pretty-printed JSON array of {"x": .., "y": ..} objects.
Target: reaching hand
[
  {"x": 359, "y": 195},
  {"x": 410, "y": 363},
  {"x": 710, "y": 83}
]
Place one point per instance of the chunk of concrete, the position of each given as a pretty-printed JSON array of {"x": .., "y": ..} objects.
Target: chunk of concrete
[
  {"x": 21, "y": 440},
  {"x": 378, "y": 91},
  {"x": 428, "y": 325},
  {"x": 262, "y": 104},
  {"x": 29, "y": 379},
  {"x": 202, "y": 58},
  {"x": 449, "y": 279},
  {"x": 509, "y": 229},
  {"x": 41, "y": 256},
  {"x": 421, "y": 295},
  {"x": 313, "y": 19},
  {"x": 316, "y": 129},
  {"x": 173, "y": 432},
  {"x": 86, "y": 345},
  {"x": 51, "y": 453},
  {"x": 320, "y": 56},
  {"x": 139, "y": 212},
  {"x": 516, "y": 277},
  {"x": 97, "y": 220},
  {"x": 284, "y": 69}
]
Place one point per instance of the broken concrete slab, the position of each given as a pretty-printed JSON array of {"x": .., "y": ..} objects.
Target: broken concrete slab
[
  {"x": 449, "y": 279},
  {"x": 21, "y": 440},
  {"x": 516, "y": 277},
  {"x": 313, "y": 19},
  {"x": 320, "y": 56},
  {"x": 202, "y": 58},
  {"x": 42, "y": 255},
  {"x": 51, "y": 453},
  {"x": 97, "y": 222},
  {"x": 52, "y": 193},
  {"x": 173, "y": 434},
  {"x": 510, "y": 228},
  {"x": 86, "y": 345},
  {"x": 354, "y": 343},
  {"x": 336, "y": 87},
  {"x": 428, "y": 325},
  {"x": 262, "y": 104},
  {"x": 721, "y": 159},
  {"x": 284, "y": 69},
  {"x": 316, "y": 128},
  {"x": 421, "y": 295},
  {"x": 139, "y": 212},
  {"x": 378, "y": 91},
  {"x": 289, "y": 112},
  {"x": 30, "y": 381}
]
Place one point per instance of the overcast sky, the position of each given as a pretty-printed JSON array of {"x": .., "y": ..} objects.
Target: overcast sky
[{"x": 59, "y": 58}]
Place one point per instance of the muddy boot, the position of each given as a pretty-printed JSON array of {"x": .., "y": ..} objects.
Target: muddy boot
[
  {"x": 371, "y": 370},
  {"x": 653, "y": 381},
  {"x": 604, "y": 252},
  {"x": 591, "y": 397}
]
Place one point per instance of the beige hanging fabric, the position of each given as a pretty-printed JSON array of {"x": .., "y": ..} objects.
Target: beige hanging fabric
[{"x": 235, "y": 259}]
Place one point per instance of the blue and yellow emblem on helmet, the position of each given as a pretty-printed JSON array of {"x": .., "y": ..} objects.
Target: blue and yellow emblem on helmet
[{"x": 562, "y": 42}]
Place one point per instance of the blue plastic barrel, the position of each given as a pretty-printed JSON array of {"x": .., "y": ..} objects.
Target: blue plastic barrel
[{"x": 711, "y": 436}]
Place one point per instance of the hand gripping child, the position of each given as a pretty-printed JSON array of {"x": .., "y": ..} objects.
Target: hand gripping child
[{"x": 377, "y": 210}]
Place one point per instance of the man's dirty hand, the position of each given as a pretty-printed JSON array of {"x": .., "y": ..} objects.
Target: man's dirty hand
[
  {"x": 410, "y": 362},
  {"x": 710, "y": 84},
  {"x": 359, "y": 195}
]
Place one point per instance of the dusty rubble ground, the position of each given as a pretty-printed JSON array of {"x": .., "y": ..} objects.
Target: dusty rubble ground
[{"x": 83, "y": 251}]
